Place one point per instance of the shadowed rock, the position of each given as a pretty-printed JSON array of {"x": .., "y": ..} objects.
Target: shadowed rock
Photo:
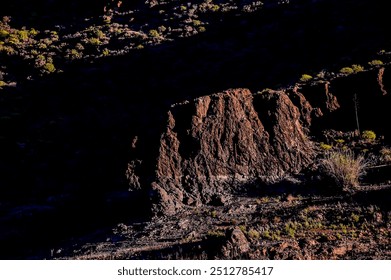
[{"x": 219, "y": 143}]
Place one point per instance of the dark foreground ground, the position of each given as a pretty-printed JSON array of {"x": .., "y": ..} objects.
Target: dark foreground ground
[{"x": 295, "y": 225}]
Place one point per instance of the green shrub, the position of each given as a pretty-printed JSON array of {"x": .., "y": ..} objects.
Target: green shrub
[
  {"x": 290, "y": 229},
  {"x": 346, "y": 71},
  {"x": 197, "y": 22},
  {"x": 201, "y": 29},
  {"x": 325, "y": 147},
  {"x": 33, "y": 32},
  {"x": 94, "y": 41},
  {"x": 4, "y": 33},
  {"x": 74, "y": 54},
  {"x": 368, "y": 135},
  {"x": 305, "y": 78},
  {"x": 23, "y": 35},
  {"x": 243, "y": 228},
  {"x": 49, "y": 67},
  {"x": 105, "y": 52},
  {"x": 153, "y": 33},
  {"x": 99, "y": 34},
  {"x": 376, "y": 62},
  {"x": 215, "y": 233},
  {"x": 357, "y": 68},
  {"x": 253, "y": 234},
  {"x": 215, "y": 8},
  {"x": 13, "y": 39}
]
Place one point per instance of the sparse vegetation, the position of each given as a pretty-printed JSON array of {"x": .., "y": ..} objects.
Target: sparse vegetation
[
  {"x": 253, "y": 234},
  {"x": 375, "y": 62},
  {"x": 49, "y": 67},
  {"x": 357, "y": 68},
  {"x": 368, "y": 135},
  {"x": 325, "y": 147},
  {"x": 344, "y": 168},
  {"x": 305, "y": 78},
  {"x": 346, "y": 71},
  {"x": 154, "y": 33}
]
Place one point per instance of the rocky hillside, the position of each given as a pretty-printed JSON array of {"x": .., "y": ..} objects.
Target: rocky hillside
[
  {"x": 215, "y": 145},
  {"x": 237, "y": 170}
]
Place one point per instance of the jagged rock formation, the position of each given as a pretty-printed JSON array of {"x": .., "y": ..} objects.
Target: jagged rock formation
[{"x": 216, "y": 144}]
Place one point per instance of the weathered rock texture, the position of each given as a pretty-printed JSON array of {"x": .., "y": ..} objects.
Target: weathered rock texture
[
  {"x": 216, "y": 146},
  {"x": 219, "y": 143}
]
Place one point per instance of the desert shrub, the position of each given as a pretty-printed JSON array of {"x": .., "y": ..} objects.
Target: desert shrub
[
  {"x": 201, "y": 29},
  {"x": 197, "y": 22},
  {"x": 305, "y": 78},
  {"x": 73, "y": 54},
  {"x": 346, "y": 70},
  {"x": 376, "y": 62},
  {"x": 33, "y": 32},
  {"x": 13, "y": 39},
  {"x": 215, "y": 8},
  {"x": 4, "y": 33},
  {"x": 253, "y": 234},
  {"x": 99, "y": 34},
  {"x": 344, "y": 168},
  {"x": 357, "y": 68},
  {"x": 368, "y": 135},
  {"x": 94, "y": 41},
  {"x": 106, "y": 52},
  {"x": 153, "y": 33},
  {"x": 23, "y": 35},
  {"x": 325, "y": 147},
  {"x": 49, "y": 67}
]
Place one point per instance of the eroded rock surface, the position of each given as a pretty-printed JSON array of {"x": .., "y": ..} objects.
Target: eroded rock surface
[{"x": 217, "y": 144}]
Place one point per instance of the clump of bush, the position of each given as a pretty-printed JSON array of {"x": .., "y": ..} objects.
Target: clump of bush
[
  {"x": 346, "y": 71},
  {"x": 153, "y": 33},
  {"x": 344, "y": 168},
  {"x": 368, "y": 135},
  {"x": 325, "y": 147},
  {"x": 357, "y": 68},
  {"x": 4, "y": 33},
  {"x": 351, "y": 70},
  {"x": 305, "y": 78},
  {"x": 376, "y": 62},
  {"x": 49, "y": 67}
]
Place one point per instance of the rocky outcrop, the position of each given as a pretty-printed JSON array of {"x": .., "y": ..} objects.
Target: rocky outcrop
[{"x": 216, "y": 144}]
